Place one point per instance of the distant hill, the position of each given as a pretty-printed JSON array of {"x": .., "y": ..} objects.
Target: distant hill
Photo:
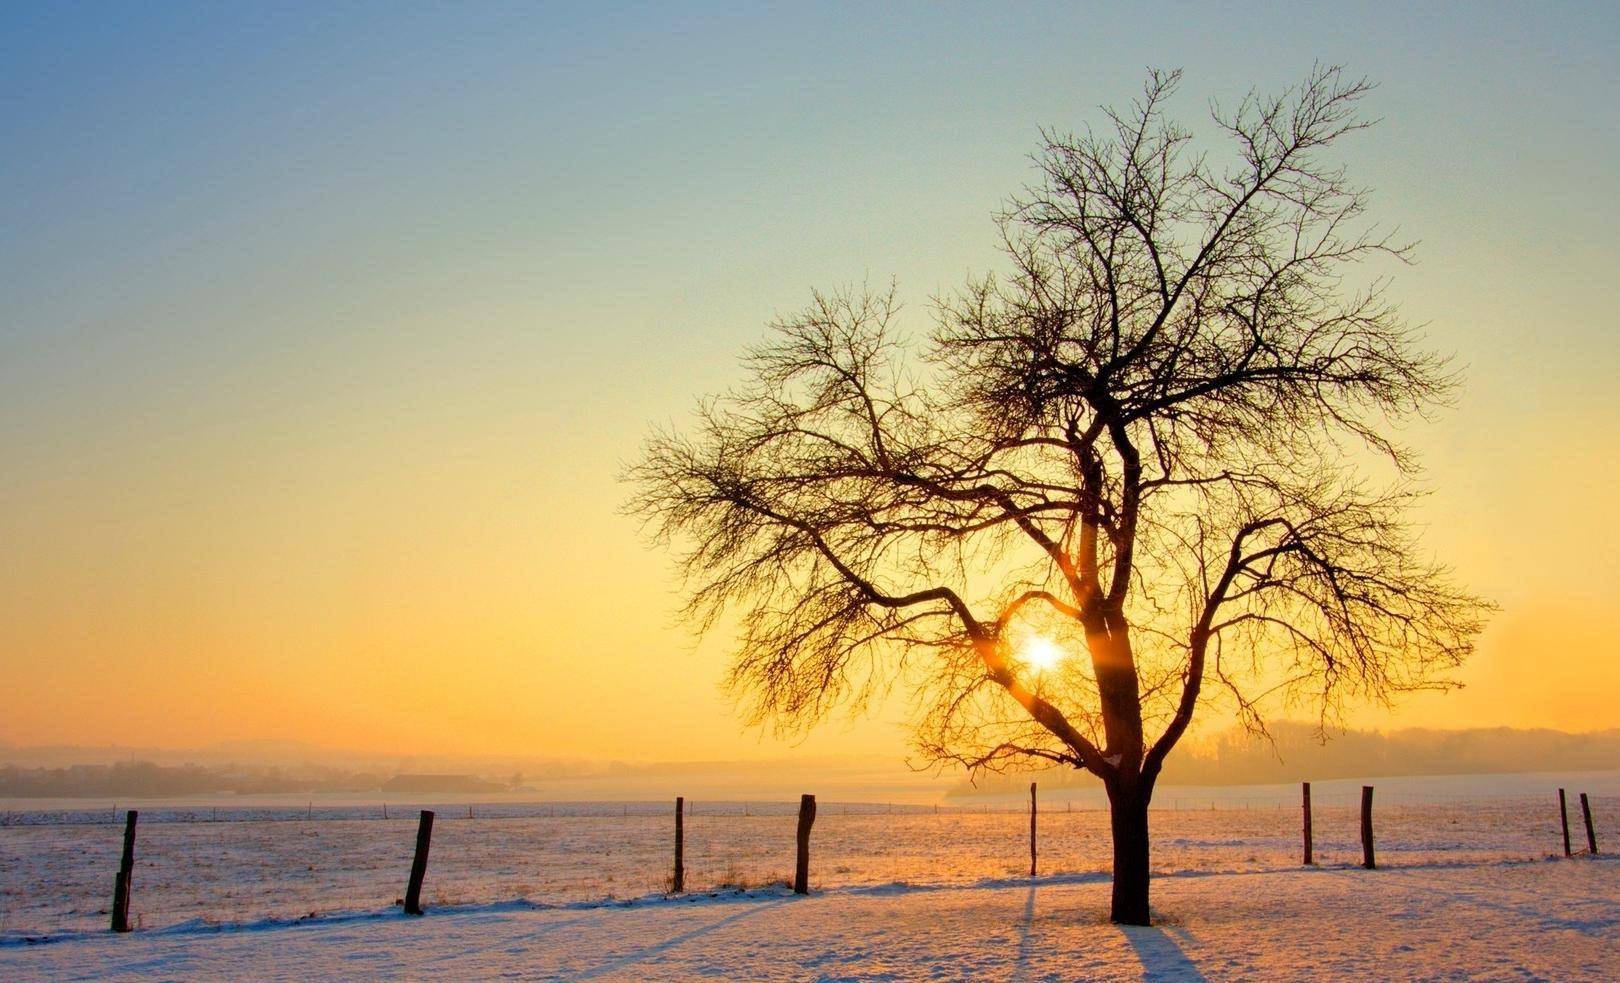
[
  {"x": 418, "y": 784},
  {"x": 1297, "y": 752}
]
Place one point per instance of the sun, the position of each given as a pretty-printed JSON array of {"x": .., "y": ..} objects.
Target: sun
[{"x": 1040, "y": 653}]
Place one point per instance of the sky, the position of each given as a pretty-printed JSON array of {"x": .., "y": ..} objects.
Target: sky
[{"x": 327, "y": 329}]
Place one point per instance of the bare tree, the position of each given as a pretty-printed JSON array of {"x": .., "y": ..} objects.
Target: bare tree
[{"x": 1149, "y": 445}]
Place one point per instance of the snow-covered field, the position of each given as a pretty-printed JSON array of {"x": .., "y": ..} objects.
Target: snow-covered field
[
  {"x": 1469, "y": 887},
  {"x": 1532, "y": 920}
]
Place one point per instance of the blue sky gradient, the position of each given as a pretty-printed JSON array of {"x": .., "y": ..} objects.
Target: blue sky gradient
[{"x": 311, "y": 310}]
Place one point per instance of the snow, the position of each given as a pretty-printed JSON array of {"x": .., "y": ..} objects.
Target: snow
[
  {"x": 1474, "y": 888},
  {"x": 1547, "y": 919}
]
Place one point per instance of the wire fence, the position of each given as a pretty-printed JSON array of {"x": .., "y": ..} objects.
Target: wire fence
[
  {"x": 246, "y": 864},
  {"x": 113, "y": 812}
]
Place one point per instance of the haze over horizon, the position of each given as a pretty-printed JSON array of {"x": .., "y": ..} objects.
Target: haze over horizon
[
  {"x": 327, "y": 335},
  {"x": 1293, "y": 753}
]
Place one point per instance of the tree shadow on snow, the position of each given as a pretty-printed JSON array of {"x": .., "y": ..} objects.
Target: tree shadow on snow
[
  {"x": 1160, "y": 956},
  {"x": 1162, "y": 959}
]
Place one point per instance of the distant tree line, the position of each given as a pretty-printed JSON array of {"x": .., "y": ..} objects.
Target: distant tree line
[{"x": 145, "y": 778}]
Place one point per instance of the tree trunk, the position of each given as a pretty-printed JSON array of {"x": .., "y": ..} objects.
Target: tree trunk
[{"x": 1127, "y": 808}]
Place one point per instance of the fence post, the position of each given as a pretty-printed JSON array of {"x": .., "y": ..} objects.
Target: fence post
[
  {"x": 1586, "y": 814},
  {"x": 424, "y": 837},
  {"x": 680, "y": 844},
  {"x": 801, "y": 869},
  {"x": 1307, "y": 791},
  {"x": 1563, "y": 818},
  {"x": 1367, "y": 829},
  {"x": 1032, "y": 829},
  {"x": 126, "y": 872}
]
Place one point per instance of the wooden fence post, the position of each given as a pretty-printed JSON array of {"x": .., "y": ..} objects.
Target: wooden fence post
[
  {"x": 680, "y": 844},
  {"x": 801, "y": 869},
  {"x": 1367, "y": 829},
  {"x": 424, "y": 837},
  {"x": 1307, "y": 790},
  {"x": 1032, "y": 829},
  {"x": 1563, "y": 818},
  {"x": 1586, "y": 814},
  {"x": 126, "y": 873}
]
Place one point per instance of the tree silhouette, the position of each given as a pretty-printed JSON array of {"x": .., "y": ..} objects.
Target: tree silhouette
[{"x": 1151, "y": 443}]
